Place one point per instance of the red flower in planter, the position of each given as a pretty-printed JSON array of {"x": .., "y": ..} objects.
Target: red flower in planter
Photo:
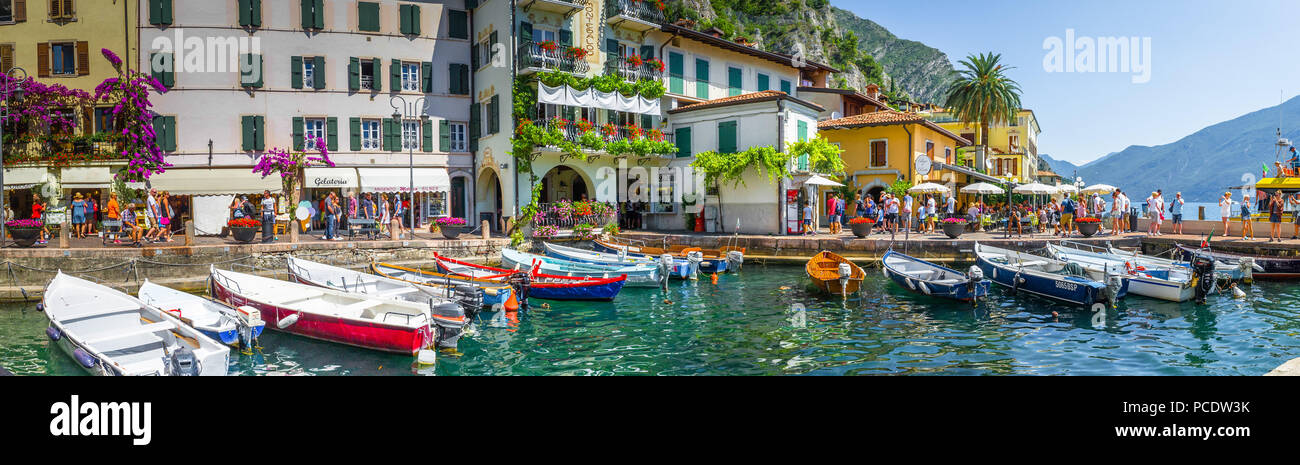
[
  {"x": 575, "y": 53},
  {"x": 655, "y": 135},
  {"x": 862, "y": 220},
  {"x": 634, "y": 60},
  {"x": 244, "y": 223},
  {"x": 655, "y": 64},
  {"x": 584, "y": 125},
  {"x": 549, "y": 45}
]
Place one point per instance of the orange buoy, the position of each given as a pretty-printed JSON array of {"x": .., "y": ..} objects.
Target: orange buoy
[
  {"x": 714, "y": 277},
  {"x": 512, "y": 304}
]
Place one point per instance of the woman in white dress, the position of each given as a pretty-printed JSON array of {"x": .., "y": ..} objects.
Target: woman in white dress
[
  {"x": 385, "y": 213},
  {"x": 1225, "y": 211}
]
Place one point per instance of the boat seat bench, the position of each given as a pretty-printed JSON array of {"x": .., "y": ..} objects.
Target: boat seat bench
[
  {"x": 143, "y": 329},
  {"x": 95, "y": 309}
]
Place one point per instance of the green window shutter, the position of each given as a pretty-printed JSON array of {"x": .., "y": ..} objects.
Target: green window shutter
[
  {"x": 166, "y": 12},
  {"x": 474, "y": 111},
  {"x": 763, "y": 82},
  {"x": 415, "y": 20},
  {"x": 473, "y": 56},
  {"x": 318, "y": 14},
  {"x": 245, "y": 15},
  {"x": 702, "y": 79},
  {"x": 387, "y": 133},
  {"x": 169, "y": 73},
  {"x": 647, "y": 122},
  {"x": 256, "y": 13},
  {"x": 160, "y": 131},
  {"x": 426, "y": 133},
  {"x": 397, "y": 135},
  {"x": 319, "y": 73},
  {"x": 155, "y": 12},
  {"x": 308, "y": 19},
  {"x": 368, "y": 16},
  {"x": 459, "y": 27},
  {"x": 647, "y": 51},
  {"x": 426, "y": 77},
  {"x": 676, "y": 70},
  {"x": 785, "y": 86},
  {"x": 171, "y": 121},
  {"x": 566, "y": 37},
  {"x": 395, "y": 75},
  {"x": 727, "y": 137},
  {"x": 611, "y": 46},
  {"x": 261, "y": 73},
  {"x": 733, "y": 81},
  {"x": 803, "y": 131},
  {"x": 154, "y": 70},
  {"x": 377, "y": 68},
  {"x": 453, "y": 78},
  {"x": 492, "y": 42},
  {"x": 683, "y": 140},
  {"x": 525, "y": 32},
  {"x": 494, "y": 113},
  {"x": 332, "y": 133},
  {"x": 464, "y": 80},
  {"x": 444, "y": 136},
  {"x": 354, "y": 74},
  {"x": 248, "y": 130},
  {"x": 354, "y": 134},
  {"x": 297, "y": 133},
  {"x": 404, "y": 25},
  {"x": 259, "y": 128},
  {"x": 295, "y": 72}
]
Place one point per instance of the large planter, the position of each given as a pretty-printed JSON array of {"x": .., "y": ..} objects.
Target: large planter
[
  {"x": 1088, "y": 229},
  {"x": 451, "y": 232},
  {"x": 861, "y": 229},
  {"x": 954, "y": 230},
  {"x": 244, "y": 235},
  {"x": 25, "y": 237}
]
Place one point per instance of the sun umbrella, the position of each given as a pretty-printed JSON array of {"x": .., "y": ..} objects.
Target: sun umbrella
[
  {"x": 982, "y": 188},
  {"x": 1099, "y": 189},
  {"x": 929, "y": 188},
  {"x": 1035, "y": 188},
  {"x": 1066, "y": 188},
  {"x": 820, "y": 181}
]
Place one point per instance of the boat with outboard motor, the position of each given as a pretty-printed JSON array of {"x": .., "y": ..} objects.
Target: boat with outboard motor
[
  {"x": 1048, "y": 277},
  {"x": 927, "y": 278},
  {"x": 636, "y": 274},
  {"x": 1263, "y": 267},
  {"x": 679, "y": 268},
  {"x": 491, "y": 292},
  {"x": 1171, "y": 283},
  {"x": 232, "y": 326},
  {"x": 834, "y": 274},
  {"x": 714, "y": 260},
  {"x": 540, "y": 285},
  {"x": 111, "y": 333}
]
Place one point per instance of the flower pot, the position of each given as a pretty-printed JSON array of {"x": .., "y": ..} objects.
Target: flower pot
[
  {"x": 451, "y": 232},
  {"x": 861, "y": 229},
  {"x": 25, "y": 237},
  {"x": 244, "y": 235},
  {"x": 1089, "y": 229},
  {"x": 954, "y": 230}
]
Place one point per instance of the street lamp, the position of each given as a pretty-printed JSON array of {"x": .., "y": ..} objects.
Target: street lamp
[
  {"x": 17, "y": 94},
  {"x": 401, "y": 114}
]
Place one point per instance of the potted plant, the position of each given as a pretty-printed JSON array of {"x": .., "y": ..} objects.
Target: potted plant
[
  {"x": 25, "y": 232},
  {"x": 548, "y": 45},
  {"x": 244, "y": 229},
  {"x": 545, "y": 231},
  {"x": 451, "y": 227},
  {"x": 1088, "y": 226},
  {"x": 861, "y": 226},
  {"x": 953, "y": 227}
]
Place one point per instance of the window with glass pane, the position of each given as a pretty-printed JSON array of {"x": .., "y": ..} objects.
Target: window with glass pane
[
  {"x": 411, "y": 76},
  {"x": 308, "y": 71},
  {"x": 313, "y": 128},
  {"x": 370, "y": 134},
  {"x": 410, "y": 135},
  {"x": 64, "y": 58},
  {"x": 458, "y": 138},
  {"x": 543, "y": 35},
  {"x": 6, "y": 12},
  {"x": 367, "y": 74}
]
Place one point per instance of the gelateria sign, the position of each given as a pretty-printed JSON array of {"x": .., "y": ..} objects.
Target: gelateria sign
[{"x": 331, "y": 178}]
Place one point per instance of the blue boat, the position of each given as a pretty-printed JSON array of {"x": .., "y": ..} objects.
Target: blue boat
[
  {"x": 1048, "y": 278},
  {"x": 681, "y": 269},
  {"x": 637, "y": 275},
  {"x": 927, "y": 278},
  {"x": 541, "y": 286},
  {"x": 231, "y": 326},
  {"x": 707, "y": 264}
]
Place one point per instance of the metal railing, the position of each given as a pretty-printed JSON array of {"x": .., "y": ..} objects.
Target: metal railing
[
  {"x": 572, "y": 132},
  {"x": 646, "y": 70},
  {"x": 645, "y": 10},
  {"x": 534, "y": 55},
  {"x": 565, "y": 215}
]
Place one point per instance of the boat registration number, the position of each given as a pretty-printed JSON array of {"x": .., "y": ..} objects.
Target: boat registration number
[{"x": 1067, "y": 286}]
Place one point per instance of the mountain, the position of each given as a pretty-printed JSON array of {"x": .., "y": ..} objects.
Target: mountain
[
  {"x": 1204, "y": 164},
  {"x": 866, "y": 52},
  {"x": 1061, "y": 167}
]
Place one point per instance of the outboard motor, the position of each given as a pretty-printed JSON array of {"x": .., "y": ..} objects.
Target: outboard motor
[
  {"x": 973, "y": 277},
  {"x": 183, "y": 362},
  {"x": 1247, "y": 266},
  {"x": 1203, "y": 276},
  {"x": 735, "y": 260},
  {"x": 693, "y": 259},
  {"x": 845, "y": 271},
  {"x": 448, "y": 323},
  {"x": 665, "y": 270},
  {"x": 1114, "y": 283},
  {"x": 521, "y": 282},
  {"x": 469, "y": 298}
]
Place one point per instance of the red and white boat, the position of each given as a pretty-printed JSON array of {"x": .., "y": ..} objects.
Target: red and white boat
[{"x": 326, "y": 314}]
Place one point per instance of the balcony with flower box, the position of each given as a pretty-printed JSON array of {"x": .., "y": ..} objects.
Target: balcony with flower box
[
  {"x": 551, "y": 56},
  {"x": 594, "y": 141},
  {"x": 634, "y": 68},
  {"x": 635, "y": 15},
  {"x": 563, "y": 7}
]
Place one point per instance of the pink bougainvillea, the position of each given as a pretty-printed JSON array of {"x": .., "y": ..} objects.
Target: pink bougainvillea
[{"x": 290, "y": 165}]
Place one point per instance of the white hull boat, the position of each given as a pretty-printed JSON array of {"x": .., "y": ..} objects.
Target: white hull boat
[
  {"x": 1169, "y": 283},
  {"x": 231, "y": 326},
  {"x": 637, "y": 275}
]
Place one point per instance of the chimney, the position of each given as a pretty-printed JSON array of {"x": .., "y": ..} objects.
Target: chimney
[
  {"x": 715, "y": 32},
  {"x": 873, "y": 91}
]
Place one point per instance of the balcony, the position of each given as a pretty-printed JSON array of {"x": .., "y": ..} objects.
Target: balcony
[
  {"x": 534, "y": 56},
  {"x": 62, "y": 149},
  {"x": 570, "y": 131},
  {"x": 653, "y": 70},
  {"x": 564, "y": 7},
  {"x": 636, "y": 15}
]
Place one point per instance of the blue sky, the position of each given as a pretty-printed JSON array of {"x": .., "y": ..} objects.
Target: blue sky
[{"x": 1210, "y": 62}]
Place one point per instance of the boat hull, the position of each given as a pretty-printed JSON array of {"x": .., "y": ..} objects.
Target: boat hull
[
  {"x": 952, "y": 291},
  {"x": 708, "y": 265},
  {"x": 1070, "y": 290},
  {"x": 366, "y": 335},
  {"x": 1279, "y": 269},
  {"x": 589, "y": 289},
  {"x": 819, "y": 269},
  {"x": 636, "y": 276},
  {"x": 680, "y": 270}
]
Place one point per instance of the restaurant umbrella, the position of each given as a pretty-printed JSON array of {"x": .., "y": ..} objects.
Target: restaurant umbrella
[
  {"x": 1035, "y": 188},
  {"x": 1098, "y": 189},
  {"x": 982, "y": 188}
]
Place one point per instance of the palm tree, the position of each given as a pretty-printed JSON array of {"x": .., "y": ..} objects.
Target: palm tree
[{"x": 983, "y": 94}]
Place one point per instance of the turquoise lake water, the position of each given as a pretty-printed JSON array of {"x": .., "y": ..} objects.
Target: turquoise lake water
[{"x": 751, "y": 324}]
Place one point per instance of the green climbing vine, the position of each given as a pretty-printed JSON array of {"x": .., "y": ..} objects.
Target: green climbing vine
[
  {"x": 731, "y": 167},
  {"x": 823, "y": 156}
]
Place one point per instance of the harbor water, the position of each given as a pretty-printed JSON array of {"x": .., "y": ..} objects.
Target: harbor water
[{"x": 767, "y": 321}]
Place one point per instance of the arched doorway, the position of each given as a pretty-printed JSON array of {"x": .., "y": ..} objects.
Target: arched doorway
[
  {"x": 489, "y": 199},
  {"x": 875, "y": 193},
  {"x": 564, "y": 183}
]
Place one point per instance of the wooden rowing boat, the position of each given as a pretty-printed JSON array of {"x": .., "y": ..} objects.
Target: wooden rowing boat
[
  {"x": 714, "y": 260},
  {"x": 825, "y": 271},
  {"x": 541, "y": 285}
]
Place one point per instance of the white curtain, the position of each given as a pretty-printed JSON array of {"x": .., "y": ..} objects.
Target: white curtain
[
  {"x": 210, "y": 213},
  {"x": 592, "y": 98}
]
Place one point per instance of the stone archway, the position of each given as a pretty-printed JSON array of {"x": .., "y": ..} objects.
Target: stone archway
[
  {"x": 565, "y": 183},
  {"x": 488, "y": 199}
]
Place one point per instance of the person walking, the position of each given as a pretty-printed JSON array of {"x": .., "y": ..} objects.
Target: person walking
[
  {"x": 1067, "y": 216},
  {"x": 78, "y": 216},
  {"x": 1225, "y": 211},
  {"x": 807, "y": 219},
  {"x": 1275, "y": 207},
  {"x": 842, "y": 211},
  {"x": 830, "y": 212},
  {"x": 268, "y": 217},
  {"x": 1247, "y": 226},
  {"x": 1176, "y": 209},
  {"x": 113, "y": 212},
  {"x": 92, "y": 213},
  {"x": 151, "y": 216},
  {"x": 165, "y": 221}
]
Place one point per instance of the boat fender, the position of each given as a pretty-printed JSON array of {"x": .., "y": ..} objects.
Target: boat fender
[
  {"x": 53, "y": 333},
  {"x": 427, "y": 357},
  {"x": 923, "y": 287},
  {"x": 910, "y": 284},
  {"x": 84, "y": 358},
  {"x": 287, "y": 321},
  {"x": 1237, "y": 292},
  {"x": 40, "y": 306},
  {"x": 713, "y": 278}
]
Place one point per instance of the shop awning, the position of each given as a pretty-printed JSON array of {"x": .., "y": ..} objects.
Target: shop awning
[
  {"x": 214, "y": 181},
  {"x": 327, "y": 178},
  {"x": 24, "y": 178},
  {"x": 86, "y": 177},
  {"x": 399, "y": 179}
]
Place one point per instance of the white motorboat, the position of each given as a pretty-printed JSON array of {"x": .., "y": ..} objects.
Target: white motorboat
[
  {"x": 218, "y": 321},
  {"x": 1170, "y": 283}
]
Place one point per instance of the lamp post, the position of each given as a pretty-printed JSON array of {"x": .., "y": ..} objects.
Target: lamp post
[
  {"x": 18, "y": 94},
  {"x": 401, "y": 114}
]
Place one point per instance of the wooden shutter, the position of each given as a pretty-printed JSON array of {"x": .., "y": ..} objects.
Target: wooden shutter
[
  {"x": 426, "y": 77},
  {"x": 525, "y": 32},
  {"x": 702, "y": 78},
  {"x": 56, "y": 8},
  {"x": 297, "y": 133},
  {"x": 83, "y": 58},
  {"x": 802, "y": 130},
  {"x": 676, "y": 69},
  {"x": 332, "y": 133},
  {"x": 160, "y": 12},
  {"x": 474, "y": 55},
  {"x": 245, "y": 14},
  {"x": 415, "y": 20},
  {"x": 453, "y": 78},
  {"x": 171, "y": 134},
  {"x": 259, "y": 129},
  {"x": 308, "y": 19},
  {"x": 475, "y": 112},
  {"x": 494, "y": 113},
  {"x": 376, "y": 78},
  {"x": 464, "y": 79},
  {"x": 397, "y": 135},
  {"x": 318, "y": 14},
  {"x": 733, "y": 81},
  {"x": 459, "y": 27},
  {"x": 169, "y": 71},
  {"x": 247, "y": 126},
  {"x": 295, "y": 72},
  {"x": 20, "y": 13},
  {"x": 395, "y": 75},
  {"x": 354, "y": 134},
  {"x": 683, "y": 140},
  {"x": 426, "y": 135},
  {"x": 354, "y": 74},
  {"x": 492, "y": 47},
  {"x": 368, "y": 16},
  {"x": 785, "y": 87},
  {"x": 256, "y": 8},
  {"x": 404, "y": 15},
  {"x": 764, "y": 82},
  {"x": 318, "y": 73},
  {"x": 727, "y": 137},
  {"x": 444, "y": 136},
  {"x": 647, "y": 51},
  {"x": 6, "y": 57},
  {"x": 566, "y": 37},
  {"x": 261, "y": 72}
]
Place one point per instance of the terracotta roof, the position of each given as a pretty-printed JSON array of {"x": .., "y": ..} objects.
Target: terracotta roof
[
  {"x": 1048, "y": 173},
  {"x": 887, "y": 118},
  {"x": 752, "y": 97},
  {"x": 859, "y": 95}
]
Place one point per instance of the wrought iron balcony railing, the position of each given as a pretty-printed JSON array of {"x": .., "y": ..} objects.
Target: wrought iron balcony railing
[
  {"x": 650, "y": 69},
  {"x": 550, "y": 56},
  {"x": 645, "y": 10}
]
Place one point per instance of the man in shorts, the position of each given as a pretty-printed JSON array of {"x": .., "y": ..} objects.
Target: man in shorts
[
  {"x": 1176, "y": 207},
  {"x": 1067, "y": 216}
]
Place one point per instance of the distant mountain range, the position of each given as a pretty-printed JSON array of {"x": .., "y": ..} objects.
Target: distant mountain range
[{"x": 1202, "y": 165}]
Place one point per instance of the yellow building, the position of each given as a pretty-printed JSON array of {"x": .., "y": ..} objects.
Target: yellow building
[
  {"x": 1013, "y": 147},
  {"x": 882, "y": 147}
]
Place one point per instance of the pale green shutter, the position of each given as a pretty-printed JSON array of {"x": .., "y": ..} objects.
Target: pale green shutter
[
  {"x": 676, "y": 71},
  {"x": 785, "y": 86},
  {"x": 354, "y": 134},
  {"x": 297, "y": 133},
  {"x": 444, "y": 136},
  {"x": 802, "y": 133},
  {"x": 354, "y": 74},
  {"x": 295, "y": 72},
  {"x": 494, "y": 109},
  {"x": 727, "y": 137},
  {"x": 377, "y": 76},
  {"x": 683, "y": 140},
  {"x": 426, "y": 133},
  {"x": 733, "y": 81},
  {"x": 763, "y": 82},
  {"x": 397, "y": 135},
  {"x": 395, "y": 75},
  {"x": 332, "y": 134},
  {"x": 702, "y": 79}
]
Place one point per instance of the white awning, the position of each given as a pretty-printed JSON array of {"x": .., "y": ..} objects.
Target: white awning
[
  {"x": 399, "y": 179},
  {"x": 328, "y": 178},
  {"x": 214, "y": 181},
  {"x": 592, "y": 98},
  {"x": 24, "y": 178},
  {"x": 86, "y": 177}
]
